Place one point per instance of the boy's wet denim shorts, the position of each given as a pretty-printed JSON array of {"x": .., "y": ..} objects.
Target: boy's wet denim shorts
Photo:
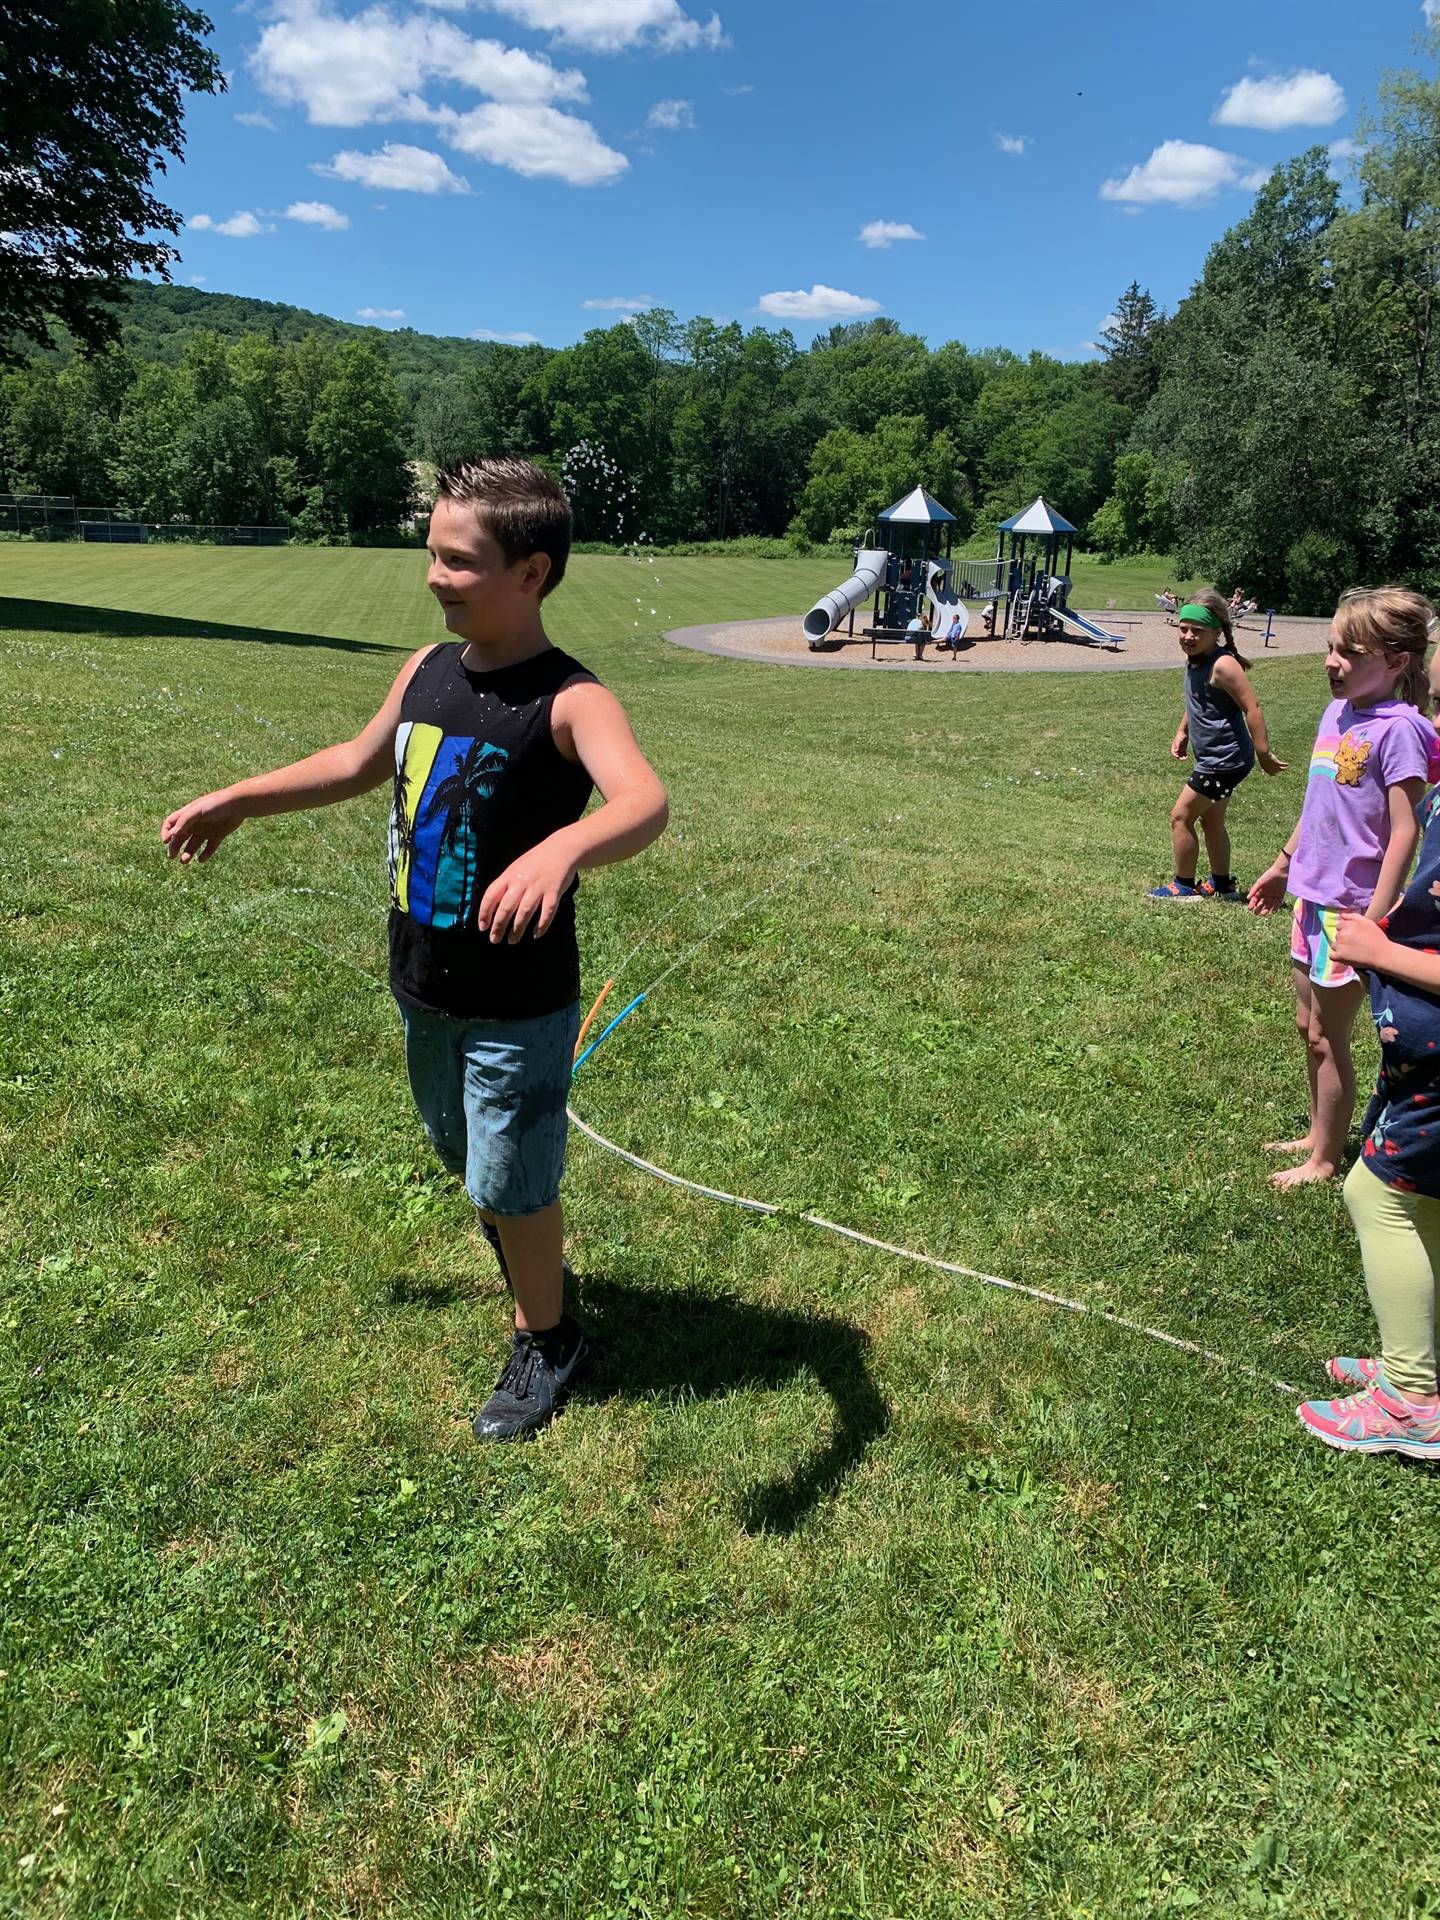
[{"x": 492, "y": 1095}]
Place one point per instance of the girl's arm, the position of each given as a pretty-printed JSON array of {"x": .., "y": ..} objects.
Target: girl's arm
[
  {"x": 1402, "y": 799},
  {"x": 1269, "y": 890},
  {"x": 1180, "y": 745},
  {"x": 1359, "y": 942},
  {"x": 1235, "y": 681}
]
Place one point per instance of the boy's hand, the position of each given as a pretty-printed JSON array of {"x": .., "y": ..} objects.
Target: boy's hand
[
  {"x": 1269, "y": 764},
  {"x": 1180, "y": 745},
  {"x": 1360, "y": 942},
  {"x": 537, "y": 881},
  {"x": 1268, "y": 891},
  {"x": 194, "y": 832}
]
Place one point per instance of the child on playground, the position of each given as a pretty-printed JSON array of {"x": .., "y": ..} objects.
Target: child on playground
[
  {"x": 1393, "y": 1189},
  {"x": 1351, "y": 848},
  {"x": 493, "y": 739},
  {"x": 1225, "y": 730}
]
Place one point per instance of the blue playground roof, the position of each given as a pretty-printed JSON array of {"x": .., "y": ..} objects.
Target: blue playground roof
[
  {"x": 915, "y": 509},
  {"x": 1037, "y": 518}
]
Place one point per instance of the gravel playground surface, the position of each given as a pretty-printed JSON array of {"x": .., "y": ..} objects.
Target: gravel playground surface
[{"x": 1149, "y": 642}]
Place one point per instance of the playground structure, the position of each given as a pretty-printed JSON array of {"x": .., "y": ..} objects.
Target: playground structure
[
  {"x": 907, "y": 568},
  {"x": 904, "y": 568}
]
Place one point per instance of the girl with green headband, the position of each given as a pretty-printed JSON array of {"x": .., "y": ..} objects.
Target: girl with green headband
[{"x": 1225, "y": 730}]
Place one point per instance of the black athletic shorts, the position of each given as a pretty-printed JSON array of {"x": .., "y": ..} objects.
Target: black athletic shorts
[{"x": 1216, "y": 783}]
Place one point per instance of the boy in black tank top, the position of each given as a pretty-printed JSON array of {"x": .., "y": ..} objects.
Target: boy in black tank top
[{"x": 493, "y": 740}]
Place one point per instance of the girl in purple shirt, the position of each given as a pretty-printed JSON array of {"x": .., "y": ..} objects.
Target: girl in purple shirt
[{"x": 1352, "y": 846}]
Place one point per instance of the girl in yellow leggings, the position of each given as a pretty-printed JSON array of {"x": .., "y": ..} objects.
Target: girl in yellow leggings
[{"x": 1393, "y": 1191}]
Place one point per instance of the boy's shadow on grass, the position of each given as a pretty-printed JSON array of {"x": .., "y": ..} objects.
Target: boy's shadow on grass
[
  {"x": 116, "y": 623},
  {"x": 668, "y": 1343},
  {"x": 653, "y": 1343}
]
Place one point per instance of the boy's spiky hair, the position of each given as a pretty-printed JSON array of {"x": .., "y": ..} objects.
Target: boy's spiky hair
[{"x": 523, "y": 509}]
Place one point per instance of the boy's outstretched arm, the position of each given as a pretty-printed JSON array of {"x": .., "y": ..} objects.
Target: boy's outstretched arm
[
  {"x": 590, "y": 726},
  {"x": 334, "y": 773}
]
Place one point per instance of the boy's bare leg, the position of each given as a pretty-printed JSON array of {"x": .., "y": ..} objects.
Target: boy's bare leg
[
  {"x": 1334, "y": 1015},
  {"x": 1304, "y": 1013},
  {"x": 1217, "y": 838},
  {"x": 534, "y": 1245}
]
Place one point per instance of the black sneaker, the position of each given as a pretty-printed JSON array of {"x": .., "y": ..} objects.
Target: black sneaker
[{"x": 535, "y": 1383}]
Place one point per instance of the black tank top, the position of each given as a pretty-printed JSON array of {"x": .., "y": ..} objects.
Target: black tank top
[{"x": 478, "y": 781}]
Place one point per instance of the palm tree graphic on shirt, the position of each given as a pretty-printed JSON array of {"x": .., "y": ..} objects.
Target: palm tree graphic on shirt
[
  {"x": 459, "y": 801},
  {"x": 442, "y": 784}
]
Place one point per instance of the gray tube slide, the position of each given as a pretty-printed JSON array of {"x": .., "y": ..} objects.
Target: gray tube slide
[{"x": 826, "y": 614}]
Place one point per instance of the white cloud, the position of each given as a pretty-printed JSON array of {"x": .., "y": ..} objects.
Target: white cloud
[
  {"x": 1181, "y": 173},
  {"x": 669, "y": 116},
  {"x": 884, "y": 233},
  {"x": 1302, "y": 99},
  {"x": 619, "y": 303},
  {"x": 1431, "y": 11},
  {"x": 317, "y": 213},
  {"x": 346, "y": 71},
  {"x": 197, "y": 279},
  {"x": 820, "y": 303},
  {"x": 509, "y": 339},
  {"x": 261, "y": 120},
  {"x": 395, "y": 168},
  {"x": 611, "y": 26},
  {"x": 1012, "y": 142},
  {"x": 240, "y": 226},
  {"x": 735, "y": 92},
  {"x": 537, "y": 142},
  {"x": 381, "y": 313}
]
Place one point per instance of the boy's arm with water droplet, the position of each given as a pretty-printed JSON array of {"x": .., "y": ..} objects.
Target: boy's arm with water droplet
[
  {"x": 590, "y": 727},
  {"x": 350, "y": 767}
]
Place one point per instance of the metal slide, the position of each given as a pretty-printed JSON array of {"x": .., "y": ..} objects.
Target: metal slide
[
  {"x": 1089, "y": 629},
  {"x": 826, "y": 614}
]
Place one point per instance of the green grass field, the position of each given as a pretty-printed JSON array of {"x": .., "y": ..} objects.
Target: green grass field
[{"x": 846, "y": 1587}]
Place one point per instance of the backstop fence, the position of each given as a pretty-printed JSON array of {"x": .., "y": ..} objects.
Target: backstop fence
[{"x": 52, "y": 516}]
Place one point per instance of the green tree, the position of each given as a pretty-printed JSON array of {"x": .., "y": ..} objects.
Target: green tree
[
  {"x": 1387, "y": 291},
  {"x": 90, "y": 101},
  {"x": 598, "y": 393},
  {"x": 220, "y": 469},
  {"x": 149, "y": 460},
  {"x": 1131, "y": 370},
  {"x": 356, "y": 440},
  {"x": 1047, "y": 427},
  {"x": 854, "y": 476}
]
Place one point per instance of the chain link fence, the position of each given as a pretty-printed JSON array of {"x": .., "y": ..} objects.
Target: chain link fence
[{"x": 49, "y": 516}]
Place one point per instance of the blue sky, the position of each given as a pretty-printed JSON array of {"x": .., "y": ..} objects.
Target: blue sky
[{"x": 532, "y": 168}]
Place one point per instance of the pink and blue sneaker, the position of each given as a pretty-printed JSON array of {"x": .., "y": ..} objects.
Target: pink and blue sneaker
[
  {"x": 1357, "y": 1371},
  {"x": 1354, "y": 1371},
  {"x": 1377, "y": 1420},
  {"x": 1172, "y": 891}
]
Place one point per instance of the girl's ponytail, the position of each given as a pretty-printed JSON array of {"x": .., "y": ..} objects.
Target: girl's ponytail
[
  {"x": 1397, "y": 622},
  {"x": 1215, "y": 603}
]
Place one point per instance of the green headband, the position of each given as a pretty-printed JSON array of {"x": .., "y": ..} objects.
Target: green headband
[{"x": 1197, "y": 615}]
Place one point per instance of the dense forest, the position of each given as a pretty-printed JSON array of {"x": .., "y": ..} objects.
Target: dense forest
[{"x": 1281, "y": 428}]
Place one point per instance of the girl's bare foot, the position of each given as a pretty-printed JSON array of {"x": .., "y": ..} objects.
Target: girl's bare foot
[
  {"x": 1303, "y": 1145},
  {"x": 1302, "y": 1175}
]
